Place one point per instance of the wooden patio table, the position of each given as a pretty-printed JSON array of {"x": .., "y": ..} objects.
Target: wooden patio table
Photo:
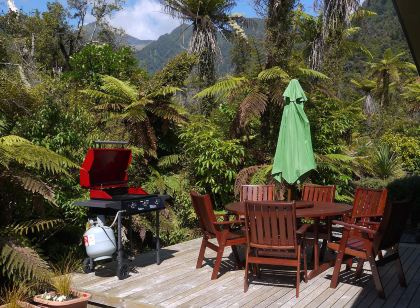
[{"x": 307, "y": 209}]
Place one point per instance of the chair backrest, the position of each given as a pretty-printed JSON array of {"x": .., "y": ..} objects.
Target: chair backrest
[
  {"x": 393, "y": 223},
  {"x": 271, "y": 225},
  {"x": 203, "y": 207},
  {"x": 368, "y": 203},
  {"x": 257, "y": 193},
  {"x": 318, "y": 193}
]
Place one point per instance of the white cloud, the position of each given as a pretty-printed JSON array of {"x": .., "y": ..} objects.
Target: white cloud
[{"x": 144, "y": 19}]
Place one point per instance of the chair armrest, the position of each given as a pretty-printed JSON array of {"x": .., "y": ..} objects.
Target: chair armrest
[
  {"x": 353, "y": 226},
  {"x": 303, "y": 228}
]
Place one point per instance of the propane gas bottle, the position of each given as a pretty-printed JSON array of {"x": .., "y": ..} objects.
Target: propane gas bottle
[{"x": 100, "y": 242}]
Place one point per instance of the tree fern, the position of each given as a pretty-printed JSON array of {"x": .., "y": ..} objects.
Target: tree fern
[
  {"x": 253, "y": 105},
  {"x": 136, "y": 109},
  {"x": 273, "y": 73},
  {"x": 307, "y": 72},
  {"x": 222, "y": 88}
]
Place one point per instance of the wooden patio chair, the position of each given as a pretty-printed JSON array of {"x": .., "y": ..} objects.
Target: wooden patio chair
[
  {"x": 272, "y": 237},
  {"x": 320, "y": 193},
  {"x": 257, "y": 193},
  {"x": 366, "y": 243},
  {"x": 220, "y": 230}
]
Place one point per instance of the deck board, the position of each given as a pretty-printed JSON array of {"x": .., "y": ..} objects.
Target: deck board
[{"x": 177, "y": 283}]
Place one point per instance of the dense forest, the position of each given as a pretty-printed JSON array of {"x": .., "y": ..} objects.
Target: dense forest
[{"x": 189, "y": 126}]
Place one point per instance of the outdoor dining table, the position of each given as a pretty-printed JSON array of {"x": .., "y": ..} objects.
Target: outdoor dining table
[{"x": 306, "y": 209}]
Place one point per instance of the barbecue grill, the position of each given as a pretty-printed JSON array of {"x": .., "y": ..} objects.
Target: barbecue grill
[{"x": 104, "y": 173}]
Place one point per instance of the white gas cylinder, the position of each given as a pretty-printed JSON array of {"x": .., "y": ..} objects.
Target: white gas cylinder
[{"x": 100, "y": 242}]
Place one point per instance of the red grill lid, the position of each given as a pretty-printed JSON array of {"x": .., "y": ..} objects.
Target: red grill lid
[{"x": 105, "y": 167}]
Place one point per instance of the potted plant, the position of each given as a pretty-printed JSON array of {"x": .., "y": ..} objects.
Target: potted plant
[{"x": 62, "y": 294}]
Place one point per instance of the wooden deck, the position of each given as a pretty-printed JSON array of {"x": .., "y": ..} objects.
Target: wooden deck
[{"x": 177, "y": 283}]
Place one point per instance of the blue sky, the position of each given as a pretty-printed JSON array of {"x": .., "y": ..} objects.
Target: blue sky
[{"x": 143, "y": 19}]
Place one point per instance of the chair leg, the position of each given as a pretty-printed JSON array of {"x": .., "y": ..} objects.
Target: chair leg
[
  {"x": 236, "y": 255},
  {"x": 376, "y": 277},
  {"x": 201, "y": 254},
  {"x": 400, "y": 271},
  {"x": 305, "y": 266},
  {"x": 298, "y": 273},
  {"x": 218, "y": 262},
  {"x": 349, "y": 263},
  {"x": 359, "y": 268},
  {"x": 323, "y": 249},
  {"x": 246, "y": 283},
  {"x": 339, "y": 260}
]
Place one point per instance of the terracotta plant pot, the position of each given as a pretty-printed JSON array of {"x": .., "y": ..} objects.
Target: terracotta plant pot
[{"x": 80, "y": 301}]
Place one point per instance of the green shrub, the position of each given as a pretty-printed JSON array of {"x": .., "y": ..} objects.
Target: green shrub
[
  {"x": 408, "y": 148},
  {"x": 213, "y": 160}
]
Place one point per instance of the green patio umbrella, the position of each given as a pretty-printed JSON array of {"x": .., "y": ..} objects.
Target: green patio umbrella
[{"x": 294, "y": 155}]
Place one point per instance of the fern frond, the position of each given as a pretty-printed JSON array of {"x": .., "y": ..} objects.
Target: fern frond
[
  {"x": 114, "y": 86},
  {"x": 253, "y": 105},
  {"x": 169, "y": 160},
  {"x": 312, "y": 73},
  {"x": 164, "y": 91},
  {"x": 222, "y": 88},
  {"x": 30, "y": 155},
  {"x": 36, "y": 225},
  {"x": 114, "y": 107},
  {"x": 166, "y": 112},
  {"x": 23, "y": 262},
  {"x": 104, "y": 98},
  {"x": 33, "y": 185},
  {"x": 273, "y": 73},
  {"x": 141, "y": 103}
]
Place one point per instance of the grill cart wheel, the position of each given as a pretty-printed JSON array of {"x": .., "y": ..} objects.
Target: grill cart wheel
[
  {"x": 88, "y": 266},
  {"x": 123, "y": 271}
]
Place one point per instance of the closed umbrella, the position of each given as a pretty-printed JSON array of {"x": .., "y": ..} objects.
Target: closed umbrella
[{"x": 294, "y": 155}]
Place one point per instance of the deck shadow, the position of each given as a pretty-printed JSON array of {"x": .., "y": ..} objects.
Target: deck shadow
[{"x": 109, "y": 269}]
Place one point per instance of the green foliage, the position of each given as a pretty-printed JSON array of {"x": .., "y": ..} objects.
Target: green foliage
[
  {"x": 214, "y": 160},
  {"x": 407, "y": 148},
  {"x": 386, "y": 163},
  {"x": 101, "y": 59}
]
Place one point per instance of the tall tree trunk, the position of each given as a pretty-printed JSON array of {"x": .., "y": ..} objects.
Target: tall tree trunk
[
  {"x": 279, "y": 43},
  {"x": 278, "y": 28}
]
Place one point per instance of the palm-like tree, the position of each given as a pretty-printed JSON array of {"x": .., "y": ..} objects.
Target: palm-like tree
[
  {"x": 256, "y": 92},
  {"x": 207, "y": 18},
  {"x": 367, "y": 87},
  {"x": 136, "y": 109},
  {"x": 388, "y": 71}
]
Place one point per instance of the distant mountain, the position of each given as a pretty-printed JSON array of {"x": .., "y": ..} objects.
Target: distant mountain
[
  {"x": 125, "y": 39},
  {"x": 156, "y": 54},
  {"x": 383, "y": 30},
  {"x": 377, "y": 34}
]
